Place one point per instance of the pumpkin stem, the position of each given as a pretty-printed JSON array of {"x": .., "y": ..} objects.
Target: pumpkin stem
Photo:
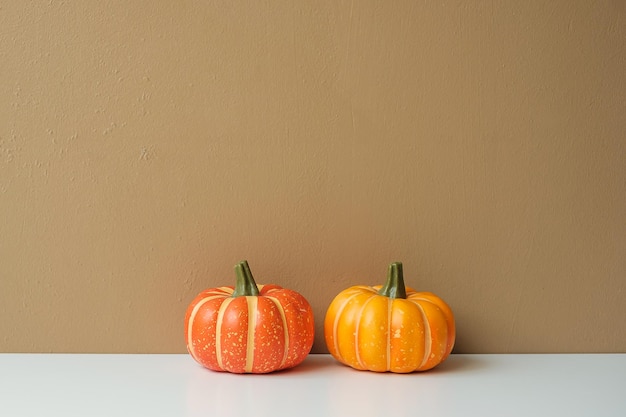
[
  {"x": 245, "y": 285},
  {"x": 394, "y": 287}
]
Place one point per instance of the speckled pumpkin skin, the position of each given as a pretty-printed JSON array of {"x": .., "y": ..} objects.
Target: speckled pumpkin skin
[{"x": 249, "y": 334}]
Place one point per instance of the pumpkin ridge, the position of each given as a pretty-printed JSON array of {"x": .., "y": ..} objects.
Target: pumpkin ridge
[
  {"x": 445, "y": 314},
  {"x": 340, "y": 311},
  {"x": 428, "y": 343},
  {"x": 358, "y": 329}
]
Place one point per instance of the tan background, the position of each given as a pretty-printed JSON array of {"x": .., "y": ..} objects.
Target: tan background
[{"x": 147, "y": 146}]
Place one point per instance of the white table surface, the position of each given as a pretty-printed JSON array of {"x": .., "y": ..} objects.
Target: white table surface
[{"x": 174, "y": 385}]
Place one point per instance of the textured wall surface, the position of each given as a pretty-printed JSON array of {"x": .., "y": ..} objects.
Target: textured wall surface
[{"x": 148, "y": 146}]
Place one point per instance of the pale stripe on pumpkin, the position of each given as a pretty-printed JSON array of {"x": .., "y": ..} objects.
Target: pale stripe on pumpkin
[
  {"x": 218, "y": 331},
  {"x": 252, "y": 317}
]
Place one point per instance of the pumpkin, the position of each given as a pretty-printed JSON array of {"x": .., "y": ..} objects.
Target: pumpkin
[
  {"x": 389, "y": 328},
  {"x": 249, "y": 328}
]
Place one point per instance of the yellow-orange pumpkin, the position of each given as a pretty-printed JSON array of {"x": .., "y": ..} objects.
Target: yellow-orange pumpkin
[
  {"x": 389, "y": 328},
  {"x": 249, "y": 328}
]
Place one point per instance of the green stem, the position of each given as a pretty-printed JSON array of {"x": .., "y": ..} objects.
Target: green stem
[
  {"x": 394, "y": 287},
  {"x": 245, "y": 285}
]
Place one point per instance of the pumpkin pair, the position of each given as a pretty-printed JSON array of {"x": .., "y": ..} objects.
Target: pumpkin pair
[{"x": 252, "y": 328}]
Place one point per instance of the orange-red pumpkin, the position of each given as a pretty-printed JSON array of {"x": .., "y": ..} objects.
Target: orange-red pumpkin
[
  {"x": 249, "y": 328},
  {"x": 389, "y": 328}
]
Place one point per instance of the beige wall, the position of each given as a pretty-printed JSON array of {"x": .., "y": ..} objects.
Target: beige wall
[{"x": 147, "y": 146}]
